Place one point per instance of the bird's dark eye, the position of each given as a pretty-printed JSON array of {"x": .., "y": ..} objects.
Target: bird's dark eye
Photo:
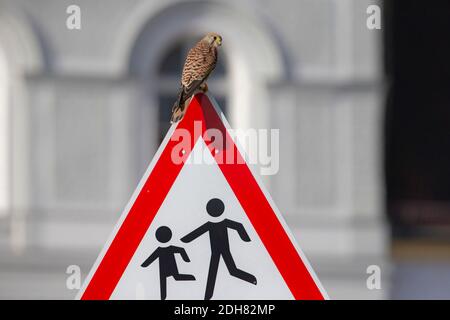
[{"x": 215, "y": 38}]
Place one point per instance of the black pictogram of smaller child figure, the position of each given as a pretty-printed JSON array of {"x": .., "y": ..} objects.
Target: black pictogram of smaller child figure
[
  {"x": 167, "y": 263},
  {"x": 220, "y": 245}
]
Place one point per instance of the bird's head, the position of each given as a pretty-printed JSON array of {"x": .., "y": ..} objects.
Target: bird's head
[{"x": 214, "y": 39}]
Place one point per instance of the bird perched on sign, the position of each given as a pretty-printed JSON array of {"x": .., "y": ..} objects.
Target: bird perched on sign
[{"x": 200, "y": 62}]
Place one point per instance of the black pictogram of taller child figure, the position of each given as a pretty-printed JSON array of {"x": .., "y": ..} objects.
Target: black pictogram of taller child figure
[
  {"x": 167, "y": 263},
  {"x": 220, "y": 245}
]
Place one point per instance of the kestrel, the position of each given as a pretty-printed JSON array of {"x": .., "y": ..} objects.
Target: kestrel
[{"x": 200, "y": 62}]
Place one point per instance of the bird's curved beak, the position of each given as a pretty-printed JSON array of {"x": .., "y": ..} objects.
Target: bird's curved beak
[{"x": 219, "y": 41}]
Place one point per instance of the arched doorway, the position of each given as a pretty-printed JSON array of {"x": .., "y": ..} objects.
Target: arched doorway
[{"x": 253, "y": 59}]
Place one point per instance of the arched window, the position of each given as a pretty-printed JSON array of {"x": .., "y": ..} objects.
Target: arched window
[
  {"x": 4, "y": 137},
  {"x": 169, "y": 74}
]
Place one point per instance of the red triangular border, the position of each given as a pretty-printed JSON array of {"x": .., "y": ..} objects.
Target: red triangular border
[{"x": 153, "y": 189}]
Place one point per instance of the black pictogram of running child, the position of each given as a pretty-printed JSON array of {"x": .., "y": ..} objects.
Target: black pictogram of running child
[
  {"x": 167, "y": 263},
  {"x": 220, "y": 245}
]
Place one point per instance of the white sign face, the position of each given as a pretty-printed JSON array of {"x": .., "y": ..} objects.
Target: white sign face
[{"x": 183, "y": 211}]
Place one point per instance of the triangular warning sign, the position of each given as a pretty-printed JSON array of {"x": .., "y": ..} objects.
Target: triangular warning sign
[{"x": 201, "y": 226}]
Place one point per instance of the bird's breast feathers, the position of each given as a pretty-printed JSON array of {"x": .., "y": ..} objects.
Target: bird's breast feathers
[{"x": 200, "y": 61}]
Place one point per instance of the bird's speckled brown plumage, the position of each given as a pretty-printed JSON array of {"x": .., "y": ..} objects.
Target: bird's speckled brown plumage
[{"x": 200, "y": 62}]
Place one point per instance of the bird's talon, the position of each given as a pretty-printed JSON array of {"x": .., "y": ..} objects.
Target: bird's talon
[{"x": 203, "y": 87}]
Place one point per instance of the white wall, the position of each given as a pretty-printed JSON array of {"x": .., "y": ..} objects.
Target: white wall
[{"x": 4, "y": 137}]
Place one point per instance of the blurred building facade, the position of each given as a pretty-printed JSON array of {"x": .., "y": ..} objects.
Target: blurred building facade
[{"x": 82, "y": 113}]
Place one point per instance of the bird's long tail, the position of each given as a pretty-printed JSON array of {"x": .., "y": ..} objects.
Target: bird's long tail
[{"x": 178, "y": 109}]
